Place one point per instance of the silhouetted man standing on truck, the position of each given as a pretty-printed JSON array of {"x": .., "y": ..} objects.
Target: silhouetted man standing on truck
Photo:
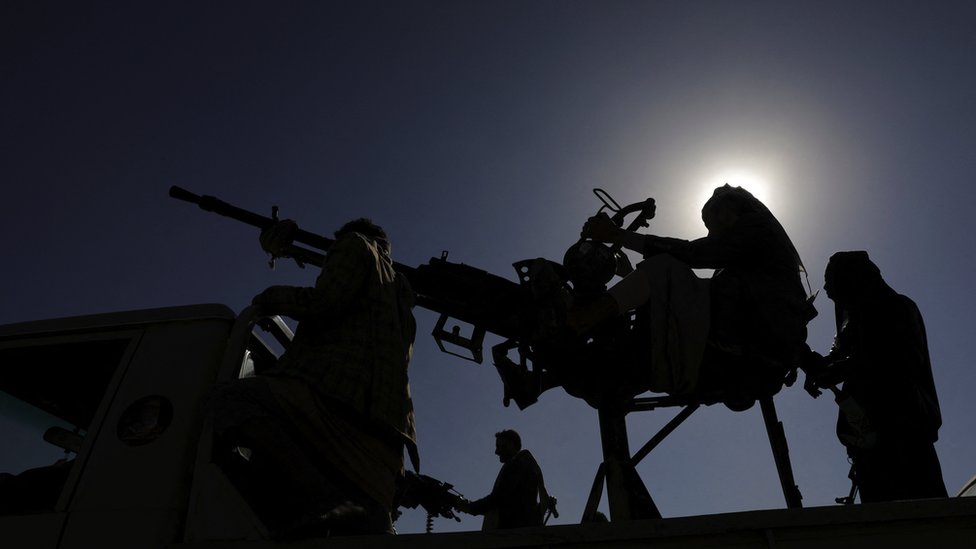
[
  {"x": 881, "y": 355},
  {"x": 330, "y": 420},
  {"x": 512, "y": 502}
]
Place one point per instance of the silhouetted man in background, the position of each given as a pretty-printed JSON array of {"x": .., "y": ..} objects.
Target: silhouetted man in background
[
  {"x": 327, "y": 424},
  {"x": 881, "y": 355},
  {"x": 512, "y": 502}
]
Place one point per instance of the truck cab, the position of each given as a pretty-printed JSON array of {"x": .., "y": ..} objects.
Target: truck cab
[
  {"x": 115, "y": 407},
  {"x": 111, "y": 409}
]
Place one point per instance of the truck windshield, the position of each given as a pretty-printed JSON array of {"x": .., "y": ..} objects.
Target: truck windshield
[{"x": 51, "y": 386}]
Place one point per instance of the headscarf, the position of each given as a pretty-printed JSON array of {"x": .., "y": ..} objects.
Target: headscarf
[{"x": 751, "y": 210}]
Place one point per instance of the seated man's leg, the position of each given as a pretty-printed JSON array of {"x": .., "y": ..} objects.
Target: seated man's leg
[{"x": 678, "y": 306}]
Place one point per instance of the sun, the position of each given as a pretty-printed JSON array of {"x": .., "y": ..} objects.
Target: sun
[{"x": 761, "y": 183}]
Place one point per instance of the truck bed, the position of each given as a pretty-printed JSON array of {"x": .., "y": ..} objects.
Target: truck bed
[{"x": 943, "y": 524}]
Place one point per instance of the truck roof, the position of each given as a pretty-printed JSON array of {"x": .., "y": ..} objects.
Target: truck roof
[
  {"x": 122, "y": 318},
  {"x": 62, "y": 365}
]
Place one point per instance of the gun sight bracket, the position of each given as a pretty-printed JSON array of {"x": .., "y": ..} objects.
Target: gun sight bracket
[{"x": 474, "y": 343}]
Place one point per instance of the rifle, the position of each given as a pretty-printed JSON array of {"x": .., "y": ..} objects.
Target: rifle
[
  {"x": 528, "y": 314},
  {"x": 438, "y": 498},
  {"x": 862, "y": 434},
  {"x": 816, "y": 368}
]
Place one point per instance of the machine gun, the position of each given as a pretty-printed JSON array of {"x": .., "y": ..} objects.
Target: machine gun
[
  {"x": 438, "y": 498},
  {"x": 528, "y": 314},
  {"x": 606, "y": 366}
]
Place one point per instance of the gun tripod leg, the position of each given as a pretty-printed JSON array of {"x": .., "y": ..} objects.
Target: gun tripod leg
[{"x": 627, "y": 496}]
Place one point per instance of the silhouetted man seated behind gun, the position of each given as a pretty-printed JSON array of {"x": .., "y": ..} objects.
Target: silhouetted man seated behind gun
[{"x": 703, "y": 335}]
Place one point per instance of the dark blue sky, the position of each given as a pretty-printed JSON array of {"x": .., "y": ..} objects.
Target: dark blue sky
[{"x": 480, "y": 128}]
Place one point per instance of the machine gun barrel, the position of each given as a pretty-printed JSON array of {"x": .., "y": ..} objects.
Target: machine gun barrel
[
  {"x": 218, "y": 206},
  {"x": 485, "y": 301}
]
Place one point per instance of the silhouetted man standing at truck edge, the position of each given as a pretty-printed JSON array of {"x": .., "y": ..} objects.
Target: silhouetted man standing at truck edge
[{"x": 881, "y": 355}]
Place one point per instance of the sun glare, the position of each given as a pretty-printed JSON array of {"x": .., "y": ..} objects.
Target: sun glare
[{"x": 763, "y": 184}]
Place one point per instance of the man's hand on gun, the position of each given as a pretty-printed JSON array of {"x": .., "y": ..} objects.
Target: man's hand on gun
[
  {"x": 278, "y": 238},
  {"x": 824, "y": 372},
  {"x": 463, "y": 505},
  {"x": 600, "y": 227}
]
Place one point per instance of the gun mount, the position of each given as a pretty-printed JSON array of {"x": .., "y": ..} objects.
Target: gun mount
[{"x": 603, "y": 366}]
